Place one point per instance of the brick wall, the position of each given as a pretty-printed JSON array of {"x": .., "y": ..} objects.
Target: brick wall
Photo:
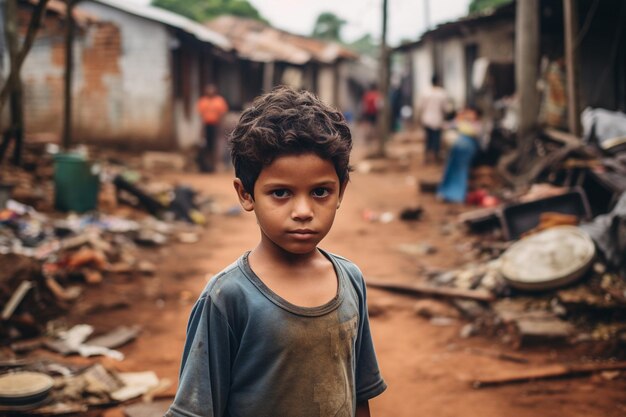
[{"x": 121, "y": 85}]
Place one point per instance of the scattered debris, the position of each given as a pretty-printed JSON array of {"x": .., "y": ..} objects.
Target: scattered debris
[
  {"x": 380, "y": 217},
  {"x": 47, "y": 258},
  {"x": 609, "y": 233},
  {"x": 73, "y": 341},
  {"x": 520, "y": 218},
  {"x": 116, "y": 338},
  {"x": 411, "y": 213},
  {"x": 428, "y": 187},
  {"x": 16, "y": 299},
  {"x": 42, "y": 387},
  {"x": 432, "y": 309},
  {"x": 163, "y": 161},
  {"x": 418, "y": 249},
  {"x": 135, "y": 384}
]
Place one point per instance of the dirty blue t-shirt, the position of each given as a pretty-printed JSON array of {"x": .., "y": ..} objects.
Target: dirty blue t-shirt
[{"x": 250, "y": 353}]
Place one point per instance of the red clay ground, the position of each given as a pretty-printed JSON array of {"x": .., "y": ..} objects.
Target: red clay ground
[{"x": 425, "y": 366}]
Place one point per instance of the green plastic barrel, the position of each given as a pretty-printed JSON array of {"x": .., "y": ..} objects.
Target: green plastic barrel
[{"x": 75, "y": 184}]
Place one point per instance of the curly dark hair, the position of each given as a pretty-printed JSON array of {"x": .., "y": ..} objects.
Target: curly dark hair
[{"x": 288, "y": 122}]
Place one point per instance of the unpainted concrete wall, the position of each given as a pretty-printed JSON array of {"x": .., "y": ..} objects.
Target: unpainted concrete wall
[
  {"x": 42, "y": 77},
  {"x": 423, "y": 70},
  {"x": 495, "y": 42},
  {"x": 453, "y": 70},
  {"x": 326, "y": 84}
]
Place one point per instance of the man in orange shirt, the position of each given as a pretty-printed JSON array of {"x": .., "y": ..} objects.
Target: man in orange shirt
[{"x": 211, "y": 107}]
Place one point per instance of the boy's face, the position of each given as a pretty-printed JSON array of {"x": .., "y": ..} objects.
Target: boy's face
[{"x": 295, "y": 201}]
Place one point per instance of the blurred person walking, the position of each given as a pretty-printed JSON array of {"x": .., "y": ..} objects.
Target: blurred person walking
[
  {"x": 370, "y": 106},
  {"x": 212, "y": 107},
  {"x": 432, "y": 108}
]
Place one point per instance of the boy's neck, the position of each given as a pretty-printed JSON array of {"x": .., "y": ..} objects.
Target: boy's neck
[
  {"x": 269, "y": 253},
  {"x": 305, "y": 280}
]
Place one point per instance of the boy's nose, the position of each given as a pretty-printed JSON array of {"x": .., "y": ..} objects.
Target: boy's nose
[{"x": 302, "y": 209}]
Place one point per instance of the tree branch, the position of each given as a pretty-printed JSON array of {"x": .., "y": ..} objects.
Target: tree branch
[{"x": 18, "y": 59}]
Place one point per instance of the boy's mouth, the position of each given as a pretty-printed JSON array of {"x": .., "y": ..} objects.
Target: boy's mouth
[{"x": 302, "y": 233}]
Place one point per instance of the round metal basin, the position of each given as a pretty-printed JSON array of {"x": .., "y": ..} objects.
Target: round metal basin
[{"x": 549, "y": 259}]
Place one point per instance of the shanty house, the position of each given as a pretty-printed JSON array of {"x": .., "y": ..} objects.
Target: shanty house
[
  {"x": 138, "y": 71},
  {"x": 268, "y": 57},
  {"x": 452, "y": 50}
]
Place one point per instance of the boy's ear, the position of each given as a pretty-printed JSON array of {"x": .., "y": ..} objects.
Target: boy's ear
[
  {"x": 245, "y": 199},
  {"x": 342, "y": 190}
]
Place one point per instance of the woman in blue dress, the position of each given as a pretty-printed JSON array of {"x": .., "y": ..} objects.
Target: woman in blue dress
[{"x": 453, "y": 186}]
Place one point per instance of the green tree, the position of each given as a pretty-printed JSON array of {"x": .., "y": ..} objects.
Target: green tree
[
  {"x": 203, "y": 10},
  {"x": 480, "y": 5},
  {"x": 365, "y": 45},
  {"x": 328, "y": 27}
]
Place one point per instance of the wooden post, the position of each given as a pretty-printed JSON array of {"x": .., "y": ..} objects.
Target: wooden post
[
  {"x": 13, "y": 87},
  {"x": 12, "y": 82},
  {"x": 69, "y": 64},
  {"x": 383, "y": 116},
  {"x": 268, "y": 76},
  {"x": 570, "y": 15},
  {"x": 526, "y": 75}
]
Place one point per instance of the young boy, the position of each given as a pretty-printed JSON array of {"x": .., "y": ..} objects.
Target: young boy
[{"x": 284, "y": 331}]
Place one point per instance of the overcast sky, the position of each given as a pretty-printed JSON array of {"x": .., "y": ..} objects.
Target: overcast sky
[{"x": 406, "y": 17}]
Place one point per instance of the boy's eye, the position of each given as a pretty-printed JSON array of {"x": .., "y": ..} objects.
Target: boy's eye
[
  {"x": 320, "y": 192},
  {"x": 281, "y": 193}
]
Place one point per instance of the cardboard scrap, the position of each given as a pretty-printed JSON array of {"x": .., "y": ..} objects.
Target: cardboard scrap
[{"x": 135, "y": 384}]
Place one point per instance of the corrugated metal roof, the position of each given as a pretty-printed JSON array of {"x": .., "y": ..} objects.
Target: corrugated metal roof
[
  {"x": 257, "y": 41},
  {"x": 168, "y": 18}
]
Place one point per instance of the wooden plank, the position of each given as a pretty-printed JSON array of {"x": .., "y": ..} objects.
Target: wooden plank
[
  {"x": 547, "y": 372},
  {"x": 429, "y": 290},
  {"x": 526, "y": 75},
  {"x": 511, "y": 357}
]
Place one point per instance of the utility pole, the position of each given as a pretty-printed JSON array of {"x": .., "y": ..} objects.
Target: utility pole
[
  {"x": 383, "y": 119},
  {"x": 526, "y": 75},
  {"x": 570, "y": 15},
  {"x": 426, "y": 15},
  {"x": 69, "y": 67}
]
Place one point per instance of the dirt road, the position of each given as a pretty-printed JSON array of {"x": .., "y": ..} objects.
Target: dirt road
[{"x": 426, "y": 366}]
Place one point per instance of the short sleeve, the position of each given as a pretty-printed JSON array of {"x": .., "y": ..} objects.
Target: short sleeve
[
  {"x": 368, "y": 380},
  {"x": 205, "y": 370}
]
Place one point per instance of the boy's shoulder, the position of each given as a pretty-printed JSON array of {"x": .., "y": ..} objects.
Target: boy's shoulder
[
  {"x": 350, "y": 268},
  {"x": 343, "y": 261},
  {"x": 229, "y": 281}
]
